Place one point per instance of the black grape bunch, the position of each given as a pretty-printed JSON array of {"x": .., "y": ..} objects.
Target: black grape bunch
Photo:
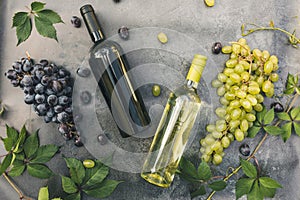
[{"x": 48, "y": 88}]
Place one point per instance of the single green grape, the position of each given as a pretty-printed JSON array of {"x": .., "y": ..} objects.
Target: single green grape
[
  {"x": 233, "y": 55},
  {"x": 265, "y": 55},
  {"x": 220, "y": 127},
  {"x": 221, "y": 91},
  {"x": 267, "y": 86},
  {"x": 253, "y": 90},
  {"x": 225, "y": 142},
  {"x": 258, "y": 107},
  {"x": 202, "y": 150},
  {"x": 260, "y": 98},
  {"x": 216, "y": 145},
  {"x": 235, "y": 103},
  {"x": 234, "y": 123},
  {"x": 236, "y": 113},
  {"x": 234, "y": 88},
  {"x": 239, "y": 69},
  {"x": 242, "y": 41},
  {"x": 250, "y": 117},
  {"x": 268, "y": 67},
  {"x": 206, "y": 158},
  {"x": 210, "y": 128},
  {"x": 216, "y": 83},
  {"x": 217, "y": 159},
  {"x": 244, "y": 125},
  {"x": 239, "y": 135},
  {"x": 235, "y": 78},
  {"x": 227, "y": 87},
  {"x": 226, "y": 49},
  {"x": 254, "y": 66},
  {"x": 231, "y": 63},
  {"x": 274, "y": 77},
  {"x": 228, "y": 71},
  {"x": 229, "y": 82},
  {"x": 208, "y": 150},
  {"x": 88, "y": 163},
  {"x": 222, "y": 77},
  {"x": 245, "y": 76},
  {"x": 257, "y": 54},
  {"x": 209, "y": 139},
  {"x": 274, "y": 59},
  {"x": 224, "y": 101},
  {"x": 260, "y": 80},
  {"x": 217, "y": 134},
  {"x": 220, "y": 112},
  {"x": 252, "y": 99},
  {"x": 270, "y": 93},
  {"x": 245, "y": 64},
  {"x": 241, "y": 94},
  {"x": 236, "y": 48},
  {"x": 156, "y": 90},
  {"x": 229, "y": 96}
]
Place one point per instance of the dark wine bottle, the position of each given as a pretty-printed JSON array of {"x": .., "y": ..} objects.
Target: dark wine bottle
[{"x": 109, "y": 65}]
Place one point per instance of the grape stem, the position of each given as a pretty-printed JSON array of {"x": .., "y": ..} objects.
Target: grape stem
[
  {"x": 21, "y": 195},
  {"x": 261, "y": 28},
  {"x": 236, "y": 170}
]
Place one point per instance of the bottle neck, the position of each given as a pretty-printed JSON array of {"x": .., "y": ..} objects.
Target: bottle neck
[
  {"x": 92, "y": 24},
  {"x": 191, "y": 84}
]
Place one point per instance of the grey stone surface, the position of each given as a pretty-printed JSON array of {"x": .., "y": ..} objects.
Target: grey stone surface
[{"x": 191, "y": 27}]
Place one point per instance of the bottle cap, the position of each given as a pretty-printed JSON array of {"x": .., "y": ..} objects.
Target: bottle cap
[
  {"x": 91, "y": 23},
  {"x": 197, "y": 68}
]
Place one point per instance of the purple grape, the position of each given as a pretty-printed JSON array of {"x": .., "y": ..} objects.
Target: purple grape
[
  {"x": 76, "y": 21},
  {"x": 11, "y": 74},
  {"x": 123, "y": 32},
  {"x": 216, "y": 48},
  {"x": 52, "y": 100},
  {"x": 62, "y": 117}
]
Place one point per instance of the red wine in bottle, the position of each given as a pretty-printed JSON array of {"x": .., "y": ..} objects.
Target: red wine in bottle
[{"x": 109, "y": 65}]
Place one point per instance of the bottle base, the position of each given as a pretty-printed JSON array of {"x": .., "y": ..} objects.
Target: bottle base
[{"x": 156, "y": 179}]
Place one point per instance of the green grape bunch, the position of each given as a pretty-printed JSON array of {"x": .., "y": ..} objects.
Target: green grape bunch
[{"x": 248, "y": 76}]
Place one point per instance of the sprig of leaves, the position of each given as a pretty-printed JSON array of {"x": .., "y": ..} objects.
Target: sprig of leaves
[
  {"x": 293, "y": 39},
  {"x": 292, "y": 84},
  {"x": 24, "y": 152},
  {"x": 253, "y": 185},
  {"x": 43, "y": 20},
  {"x": 91, "y": 181},
  {"x": 44, "y": 194},
  {"x": 201, "y": 175}
]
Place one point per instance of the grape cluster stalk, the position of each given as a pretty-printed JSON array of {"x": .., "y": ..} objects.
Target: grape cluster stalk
[
  {"x": 248, "y": 76},
  {"x": 48, "y": 88}
]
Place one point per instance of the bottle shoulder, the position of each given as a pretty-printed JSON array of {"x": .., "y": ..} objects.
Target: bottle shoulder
[{"x": 190, "y": 94}]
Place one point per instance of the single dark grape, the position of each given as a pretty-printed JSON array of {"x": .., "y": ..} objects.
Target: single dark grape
[
  {"x": 48, "y": 70},
  {"x": 49, "y": 91},
  {"x": 29, "y": 99},
  {"x": 45, "y": 80},
  {"x": 244, "y": 149},
  {"x": 27, "y": 65},
  {"x": 39, "y": 89},
  {"x": 85, "y": 97},
  {"x": 50, "y": 112},
  {"x": 39, "y": 73},
  {"x": 77, "y": 141},
  {"x": 27, "y": 81},
  {"x": 11, "y": 74},
  {"x": 28, "y": 90},
  {"x": 277, "y": 107},
  {"x": 63, "y": 128},
  {"x": 56, "y": 86},
  {"x": 41, "y": 109},
  {"x": 216, "y": 48},
  {"x": 58, "y": 109},
  {"x": 17, "y": 66},
  {"x": 69, "y": 110},
  {"x": 52, "y": 100},
  {"x": 47, "y": 119},
  {"x": 44, "y": 62},
  {"x": 40, "y": 98},
  {"x": 62, "y": 117},
  {"x": 15, "y": 82},
  {"x": 63, "y": 100},
  {"x": 76, "y": 21},
  {"x": 54, "y": 68},
  {"x": 63, "y": 73},
  {"x": 123, "y": 32},
  {"x": 83, "y": 72}
]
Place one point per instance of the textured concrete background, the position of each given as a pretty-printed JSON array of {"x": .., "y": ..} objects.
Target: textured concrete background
[{"x": 195, "y": 20}]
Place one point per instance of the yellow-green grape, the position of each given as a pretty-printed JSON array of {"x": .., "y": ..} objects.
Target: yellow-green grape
[
  {"x": 260, "y": 98},
  {"x": 253, "y": 90},
  {"x": 259, "y": 71},
  {"x": 216, "y": 83},
  {"x": 230, "y": 136},
  {"x": 270, "y": 93},
  {"x": 274, "y": 77},
  {"x": 240, "y": 94},
  {"x": 239, "y": 69},
  {"x": 243, "y": 115},
  {"x": 234, "y": 123},
  {"x": 239, "y": 135},
  {"x": 245, "y": 76},
  {"x": 244, "y": 125},
  {"x": 233, "y": 56},
  {"x": 245, "y": 64},
  {"x": 236, "y": 113},
  {"x": 210, "y": 128},
  {"x": 208, "y": 150},
  {"x": 257, "y": 54},
  {"x": 228, "y": 71},
  {"x": 224, "y": 101},
  {"x": 209, "y": 139},
  {"x": 266, "y": 86},
  {"x": 221, "y": 91},
  {"x": 250, "y": 117},
  {"x": 220, "y": 151},
  {"x": 202, "y": 142},
  {"x": 242, "y": 41},
  {"x": 252, "y": 99},
  {"x": 244, "y": 87},
  {"x": 217, "y": 134},
  {"x": 234, "y": 88},
  {"x": 246, "y": 103},
  {"x": 227, "y": 87},
  {"x": 88, "y": 163},
  {"x": 265, "y": 55},
  {"x": 209, "y": 3},
  {"x": 229, "y": 110},
  {"x": 245, "y": 50},
  {"x": 221, "y": 112},
  {"x": 225, "y": 142},
  {"x": 275, "y": 67},
  {"x": 235, "y": 78},
  {"x": 236, "y": 48},
  {"x": 220, "y": 127},
  {"x": 260, "y": 80},
  {"x": 222, "y": 77},
  {"x": 229, "y": 82},
  {"x": 268, "y": 67},
  {"x": 202, "y": 150},
  {"x": 205, "y": 158},
  {"x": 156, "y": 90},
  {"x": 162, "y": 37},
  {"x": 226, "y": 49},
  {"x": 258, "y": 107},
  {"x": 274, "y": 59},
  {"x": 227, "y": 117},
  {"x": 229, "y": 96},
  {"x": 231, "y": 63},
  {"x": 235, "y": 103},
  {"x": 217, "y": 159},
  {"x": 216, "y": 145},
  {"x": 254, "y": 66}
]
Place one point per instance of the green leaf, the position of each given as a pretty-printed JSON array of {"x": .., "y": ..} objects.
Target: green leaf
[
  {"x": 24, "y": 31},
  {"x": 218, "y": 185},
  {"x": 200, "y": 191},
  {"x": 89, "y": 172},
  {"x": 98, "y": 177},
  {"x": 255, "y": 193},
  {"x": 104, "y": 190},
  {"x": 39, "y": 171},
  {"x": 269, "y": 117},
  {"x": 297, "y": 128},
  {"x": 20, "y": 156},
  {"x": 12, "y": 133},
  {"x": 37, "y": 6},
  {"x": 19, "y": 18},
  {"x": 68, "y": 185},
  {"x": 289, "y": 90},
  {"x": 75, "y": 196},
  {"x": 43, "y": 194},
  {"x": 253, "y": 131},
  {"x": 77, "y": 171},
  {"x": 20, "y": 142},
  {"x": 297, "y": 90},
  {"x": 31, "y": 144},
  {"x": 17, "y": 169},
  {"x": 8, "y": 143},
  {"x": 44, "y": 153},
  {"x": 269, "y": 182},
  {"x": 267, "y": 192},
  {"x": 243, "y": 186},
  {"x": 45, "y": 27},
  {"x": 6, "y": 162},
  {"x": 261, "y": 115},
  {"x": 295, "y": 112},
  {"x": 273, "y": 130},
  {"x": 283, "y": 116},
  {"x": 50, "y": 15},
  {"x": 290, "y": 79},
  {"x": 248, "y": 168},
  {"x": 287, "y": 131},
  {"x": 187, "y": 167},
  {"x": 204, "y": 172}
]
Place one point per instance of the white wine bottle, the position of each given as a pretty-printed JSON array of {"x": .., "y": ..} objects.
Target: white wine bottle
[{"x": 174, "y": 128}]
